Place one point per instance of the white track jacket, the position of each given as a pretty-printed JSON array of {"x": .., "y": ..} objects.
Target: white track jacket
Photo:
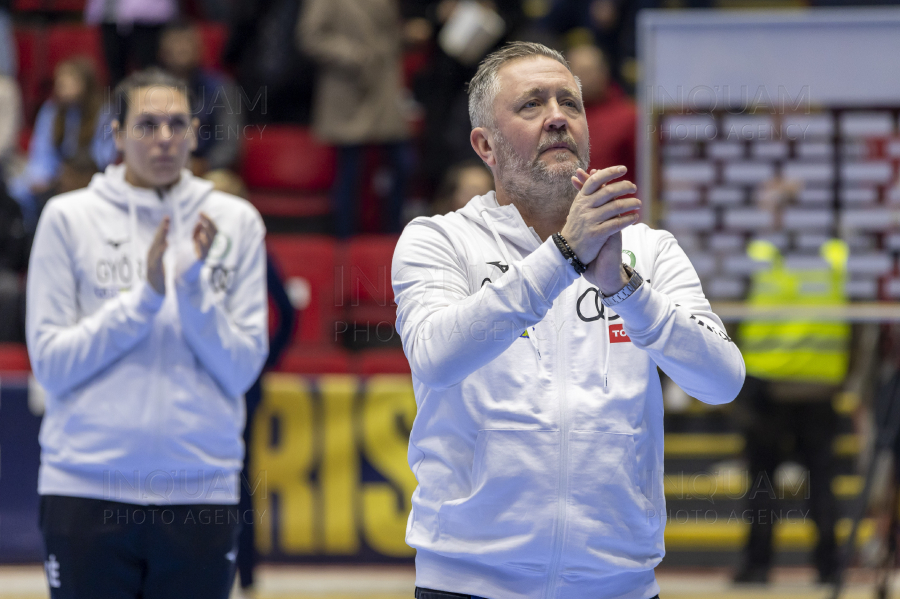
[
  {"x": 539, "y": 456},
  {"x": 145, "y": 392}
]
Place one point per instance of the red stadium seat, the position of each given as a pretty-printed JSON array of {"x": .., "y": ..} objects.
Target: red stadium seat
[
  {"x": 288, "y": 172},
  {"x": 14, "y": 358},
  {"x": 367, "y": 270},
  {"x": 382, "y": 361},
  {"x": 48, "y": 6},
  {"x": 29, "y": 5},
  {"x": 287, "y": 158},
  {"x": 30, "y": 46},
  {"x": 69, "y": 41},
  {"x": 213, "y": 37},
  {"x": 365, "y": 295},
  {"x": 308, "y": 266},
  {"x": 277, "y": 203},
  {"x": 69, "y": 5},
  {"x": 316, "y": 361}
]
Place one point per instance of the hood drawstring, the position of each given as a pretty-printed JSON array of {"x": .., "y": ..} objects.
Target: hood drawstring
[
  {"x": 176, "y": 235},
  {"x": 490, "y": 223},
  {"x": 608, "y": 346},
  {"x": 132, "y": 234}
]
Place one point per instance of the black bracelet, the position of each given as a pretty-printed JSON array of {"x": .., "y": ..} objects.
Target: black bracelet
[{"x": 568, "y": 254}]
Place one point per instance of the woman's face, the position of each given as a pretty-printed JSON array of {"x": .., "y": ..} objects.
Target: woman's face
[
  {"x": 158, "y": 136},
  {"x": 68, "y": 86}
]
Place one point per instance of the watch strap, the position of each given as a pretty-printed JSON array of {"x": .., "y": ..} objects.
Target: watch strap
[{"x": 620, "y": 296}]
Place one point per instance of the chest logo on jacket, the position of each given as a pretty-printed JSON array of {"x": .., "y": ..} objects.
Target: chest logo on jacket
[
  {"x": 116, "y": 271},
  {"x": 589, "y": 309}
]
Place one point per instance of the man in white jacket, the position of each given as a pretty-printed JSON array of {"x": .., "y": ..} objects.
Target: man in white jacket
[
  {"x": 146, "y": 323},
  {"x": 534, "y": 320}
]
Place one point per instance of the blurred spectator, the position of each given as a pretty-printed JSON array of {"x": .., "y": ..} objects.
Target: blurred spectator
[
  {"x": 462, "y": 182},
  {"x": 283, "y": 312},
  {"x": 76, "y": 172},
  {"x": 130, "y": 31},
  {"x": 611, "y": 115},
  {"x": 10, "y": 122},
  {"x": 227, "y": 181},
  {"x": 9, "y": 59},
  {"x": 14, "y": 247},
  {"x": 215, "y": 101},
  {"x": 67, "y": 123},
  {"x": 441, "y": 88},
  {"x": 359, "y": 97},
  {"x": 608, "y": 23},
  {"x": 274, "y": 77}
]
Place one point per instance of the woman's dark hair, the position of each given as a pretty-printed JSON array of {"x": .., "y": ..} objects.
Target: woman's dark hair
[
  {"x": 150, "y": 77},
  {"x": 88, "y": 104}
]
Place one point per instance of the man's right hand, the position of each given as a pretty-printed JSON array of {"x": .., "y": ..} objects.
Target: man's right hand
[
  {"x": 596, "y": 214},
  {"x": 156, "y": 271}
]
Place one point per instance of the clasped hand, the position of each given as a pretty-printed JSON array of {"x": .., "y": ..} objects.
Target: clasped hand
[
  {"x": 204, "y": 233},
  {"x": 594, "y": 225}
]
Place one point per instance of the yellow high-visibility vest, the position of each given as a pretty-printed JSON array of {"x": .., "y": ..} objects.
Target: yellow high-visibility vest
[{"x": 797, "y": 350}]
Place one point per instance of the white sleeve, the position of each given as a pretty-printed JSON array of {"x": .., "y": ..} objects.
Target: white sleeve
[
  {"x": 672, "y": 320},
  {"x": 447, "y": 332},
  {"x": 67, "y": 350},
  {"x": 229, "y": 333}
]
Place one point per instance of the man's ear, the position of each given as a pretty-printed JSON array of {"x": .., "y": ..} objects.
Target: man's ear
[{"x": 482, "y": 142}]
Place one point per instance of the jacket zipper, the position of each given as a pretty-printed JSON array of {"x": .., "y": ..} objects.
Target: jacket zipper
[{"x": 559, "y": 374}]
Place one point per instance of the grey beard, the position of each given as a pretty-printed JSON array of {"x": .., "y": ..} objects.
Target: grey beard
[{"x": 536, "y": 188}]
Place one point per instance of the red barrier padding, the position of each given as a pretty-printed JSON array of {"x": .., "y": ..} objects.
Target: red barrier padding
[
  {"x": 316, "y": 360},
  {"x": 382, "y": 361}
]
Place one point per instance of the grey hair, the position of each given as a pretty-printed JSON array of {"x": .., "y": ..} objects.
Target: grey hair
[{"x": 485, "y": 85}]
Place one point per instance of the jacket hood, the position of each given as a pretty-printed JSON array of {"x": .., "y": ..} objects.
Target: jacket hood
[
  {"x": 188, "y": 192},
  {"x": 507, "y": 220}
]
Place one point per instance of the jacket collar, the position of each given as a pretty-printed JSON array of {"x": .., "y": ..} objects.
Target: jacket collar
[{"x": 507, "y": 219}]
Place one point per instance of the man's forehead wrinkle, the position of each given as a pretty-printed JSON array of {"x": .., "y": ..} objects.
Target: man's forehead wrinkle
[
  {"x": 534, "y": 91},
  {"x": 542, "y": 91}
]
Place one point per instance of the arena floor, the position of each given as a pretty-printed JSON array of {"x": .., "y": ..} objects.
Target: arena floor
[{"x": 278, "y": 582}]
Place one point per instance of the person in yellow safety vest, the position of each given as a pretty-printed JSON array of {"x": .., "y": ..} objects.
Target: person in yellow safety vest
[{"x": 794, "y": 368}]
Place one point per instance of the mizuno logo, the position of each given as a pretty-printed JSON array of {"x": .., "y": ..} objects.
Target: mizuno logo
[
  {"x": 502, "y": 267},
  {"x": 115, "y": 244}
]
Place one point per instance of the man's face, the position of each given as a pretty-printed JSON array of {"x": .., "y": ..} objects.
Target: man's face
[
  {"x": 540, "y": 134},
  {"x": 158, "y": 136}
]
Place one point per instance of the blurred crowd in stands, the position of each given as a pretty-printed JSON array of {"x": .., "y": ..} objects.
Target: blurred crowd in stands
[{"x": 332, "y": 116}]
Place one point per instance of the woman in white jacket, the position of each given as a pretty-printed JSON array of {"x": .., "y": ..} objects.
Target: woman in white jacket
[{"x": 146, "y": 322}]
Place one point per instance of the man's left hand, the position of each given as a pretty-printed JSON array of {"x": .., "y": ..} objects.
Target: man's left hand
[
  {"x": 606, "y": 271},
  {"x": 204, "y": 233}
]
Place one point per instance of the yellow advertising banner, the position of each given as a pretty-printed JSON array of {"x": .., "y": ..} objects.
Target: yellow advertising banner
[{"x": 329, "y": 475}]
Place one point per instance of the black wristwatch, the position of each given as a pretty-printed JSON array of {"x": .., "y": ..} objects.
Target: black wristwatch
[{"x": 633, "y": 283}]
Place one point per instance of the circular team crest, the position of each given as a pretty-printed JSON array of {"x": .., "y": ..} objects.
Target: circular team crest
[
  {"x": 628, "y": 256},
  {"x": 220, "y": 247}
]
